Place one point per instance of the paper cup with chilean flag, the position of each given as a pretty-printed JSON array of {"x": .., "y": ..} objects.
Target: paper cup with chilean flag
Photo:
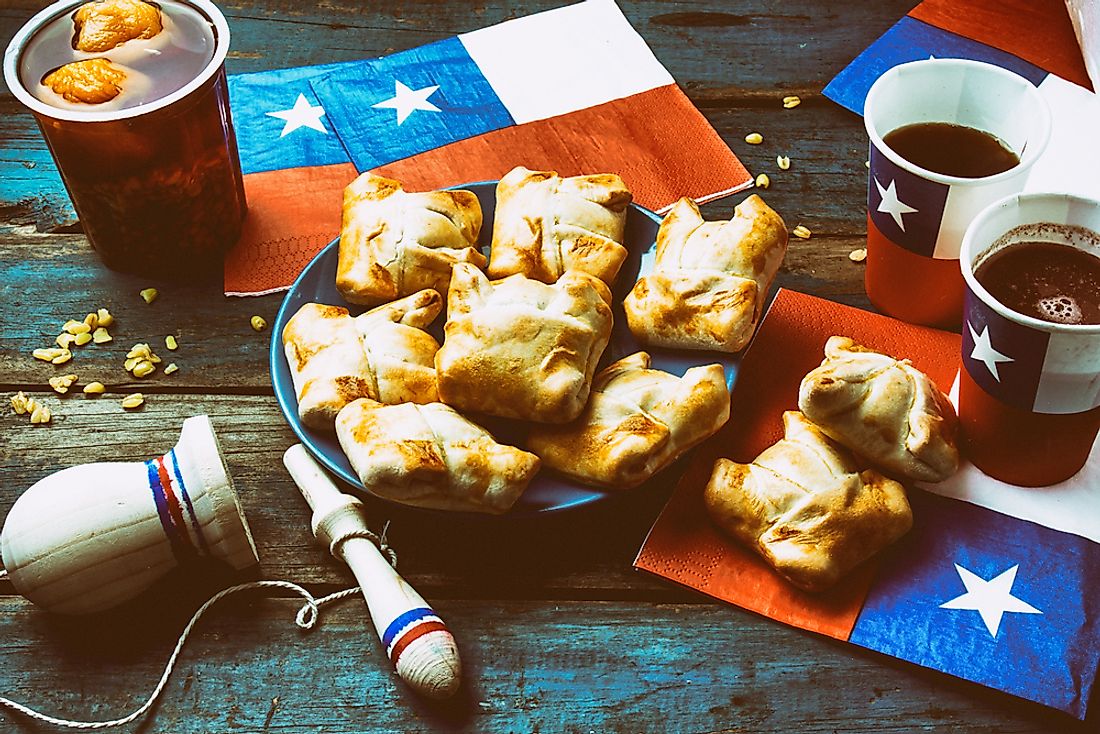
[
  {"x": 916, "y": 217},
  {"x": 1029, "y": 390}
]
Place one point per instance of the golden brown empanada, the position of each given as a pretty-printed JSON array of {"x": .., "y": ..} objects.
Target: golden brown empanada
[
  {"x": 886, "y": 411},
  {"x": 520, "y": 348},
  {"x": 394, "y": 243},
  {"x": 709, "y": 279},
  {"x": 383, "y": 354},
  {"x": 546, "y": 224},
  {"x": 804, "y": 506},
  {"x": 430, "y": 456},
  {"x": 637, "y": 422}
]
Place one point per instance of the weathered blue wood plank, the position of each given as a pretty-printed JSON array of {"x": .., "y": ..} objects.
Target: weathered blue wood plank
[
  {"x": 49, "y": 279},
  {"x": 530, "y": 667},
  {"x": 31, "y": 191}
]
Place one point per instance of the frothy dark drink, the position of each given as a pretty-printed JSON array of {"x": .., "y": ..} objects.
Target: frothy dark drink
[
  {"x": 132, "y": 99},
  {"x": 1045, "y": 280},
  {"x": 953, "y": 150}
]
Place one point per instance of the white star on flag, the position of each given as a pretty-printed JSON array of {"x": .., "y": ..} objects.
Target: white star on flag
[
  {"x": 406, "y": 101},
  {"x": 302, "y": 114},
  {"x": 892, "y": 205},
  {"x": 991, "y": 599},
  {"x": 984, "y": 352}
]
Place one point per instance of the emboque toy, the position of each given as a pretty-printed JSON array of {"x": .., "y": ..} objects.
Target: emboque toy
[
  {"x": 417, "y": 642},
  {"x": 89, "y": 537}
]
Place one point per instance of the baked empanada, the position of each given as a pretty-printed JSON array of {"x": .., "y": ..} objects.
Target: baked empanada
[
  {"x": 709, "y": 279},
  {"x": 394, "y": 243},
  {"x": 546, "y": 225},
  {"x": 804, "y": 506},
  {"x": 886, "y": 411},
  {"x": 430, "y": 456},
  {"x": 637, "y": 422},
  {"x": 383, "y": 354},
  {"x": 520, "y": 348}
]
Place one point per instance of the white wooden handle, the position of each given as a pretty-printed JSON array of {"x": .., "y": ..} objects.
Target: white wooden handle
[{"x": 416, "y": 640}]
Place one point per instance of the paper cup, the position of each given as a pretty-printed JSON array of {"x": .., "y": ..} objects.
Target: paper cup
[
  {"x": 1029, "y": 390},
  {"x": 915, "y": 217},
  {"x": 157, "y": 186}
]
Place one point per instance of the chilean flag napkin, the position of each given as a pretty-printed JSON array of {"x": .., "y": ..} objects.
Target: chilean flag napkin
[
  {"x": 994, "y": 584},
  {"x": 1033, "y": 38},
  {"x": 574, "y": 89}
]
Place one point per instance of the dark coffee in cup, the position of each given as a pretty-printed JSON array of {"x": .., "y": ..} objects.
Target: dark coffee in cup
[
  {"x": 953, "y": 150},
  {"x": 923, "y": 119},
  {"x": 1045, "y": 280},
  {"x": 1029, "y": 390}
]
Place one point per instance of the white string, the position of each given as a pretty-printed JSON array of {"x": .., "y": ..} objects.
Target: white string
[
  {"x": 379, "y": 541},
  {"x": 307, "y": 617}
]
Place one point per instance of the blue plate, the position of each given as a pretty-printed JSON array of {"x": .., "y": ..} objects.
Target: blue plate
[{"x": 548, "y": 491}]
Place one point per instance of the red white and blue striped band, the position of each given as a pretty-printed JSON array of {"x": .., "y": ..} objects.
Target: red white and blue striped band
[
  {"x": 174, "y": 507},
  {"x": 407, "y": 628}
]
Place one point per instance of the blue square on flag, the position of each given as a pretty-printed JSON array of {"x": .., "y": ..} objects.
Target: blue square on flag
[
  {"x": 912, "y": 40},
  {"x": 410, "y": 102},
  {"x": 279, "y": 121},
  {"x": 996, "y": 600},
  {"x": 907, "y": 209},
  {"x": 1004, "y": 357}
]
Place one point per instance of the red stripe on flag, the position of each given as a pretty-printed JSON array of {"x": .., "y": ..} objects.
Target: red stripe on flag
[
  {"x": 659, "y": 143},
  {"x": 1038, "y": 31},
  {"x": 412, "y": 635},
  {"x": 292, "y": 214},
  {"x": 1021, "y": 447},
  {"x": 890, "y": 265}
]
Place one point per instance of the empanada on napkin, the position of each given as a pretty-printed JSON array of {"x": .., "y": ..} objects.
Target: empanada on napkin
[
  {"x": 520, "y": 348},
  {"x": 546, "y": 224},
  {"x": 383, "y": 354},
  {"x": 395, "y": 243},
  {"x": 804, "y": 506},
  {"x": 709, "y": 279},
  {"x": 430, "y": 456},
  {"x": 637, "y": 422},
  {"x": 885, "y": 410}
]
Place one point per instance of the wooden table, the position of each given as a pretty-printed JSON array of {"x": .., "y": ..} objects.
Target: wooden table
[{"x": 557, "y": 632}]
